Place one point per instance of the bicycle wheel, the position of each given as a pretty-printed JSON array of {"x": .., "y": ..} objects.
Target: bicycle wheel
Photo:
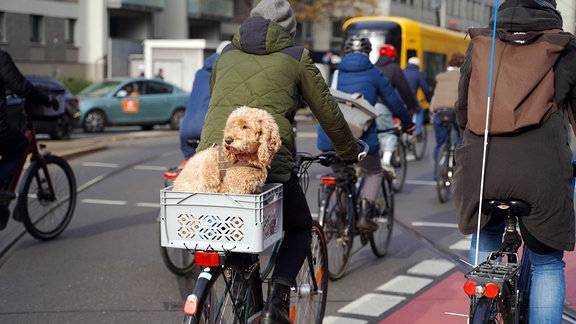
[
  {"x": 498, "y": 310},
  {"x": 399, "y": 163},
  {"x": 46, "y": 216},
  {"x": 230, "y": 296},
  {"x": 336, "y": 214},
  {"x": 308, "y": 303},
  {"x": 179, "y": 261},
  {"x": 380, "y": 239},
  {"x": 417, "y": 143},
  {"x": 444, "y": 174}
]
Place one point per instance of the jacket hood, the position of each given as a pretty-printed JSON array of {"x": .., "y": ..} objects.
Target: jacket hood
[
  {"x": 258, "y": 35},
  {"x": 355, "y": 62},
  {"x": 383, "y": 60},
  {"x": 526, "y": 15}
]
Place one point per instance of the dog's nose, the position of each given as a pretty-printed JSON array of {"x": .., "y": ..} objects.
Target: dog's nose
[{"x": 229, "y": 140}]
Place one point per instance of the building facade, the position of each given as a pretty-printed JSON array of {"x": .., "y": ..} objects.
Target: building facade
[{"x": 97, "y": 39}]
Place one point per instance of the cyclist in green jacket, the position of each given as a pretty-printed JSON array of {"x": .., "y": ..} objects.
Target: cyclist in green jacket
[{"x": 263, "y": 69}]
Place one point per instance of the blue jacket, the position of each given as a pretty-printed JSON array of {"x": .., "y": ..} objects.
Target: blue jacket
[
  {"x": 417, "y": 80},
  {"x": 197, "y": 107},
  {"x": 357, "y": 74}
]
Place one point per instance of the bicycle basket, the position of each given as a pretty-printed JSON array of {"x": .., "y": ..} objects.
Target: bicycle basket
[{"x": 445, "y": 115}]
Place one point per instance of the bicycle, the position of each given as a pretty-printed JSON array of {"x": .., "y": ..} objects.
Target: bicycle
[
  {"x": 416, "y": 144},
  {"x": 179, "y": 261},
  {"x": 445, "y": 166},
  {"x": 398, "y": 161},
  {"x": 498, "y": 290},
  {"x": 340, "y": 208},
  {"x": 229, "y": 286},
  {"x": 46, "y": 197}
]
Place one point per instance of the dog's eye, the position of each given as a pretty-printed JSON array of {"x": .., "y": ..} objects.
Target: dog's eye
[{"x": 244, "y": 127}]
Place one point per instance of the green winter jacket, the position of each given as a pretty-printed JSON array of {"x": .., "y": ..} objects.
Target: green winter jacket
[{"x": 263, "y": 69}]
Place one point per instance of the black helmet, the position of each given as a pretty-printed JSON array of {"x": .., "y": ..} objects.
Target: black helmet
[{"x": 357, "y": 43}]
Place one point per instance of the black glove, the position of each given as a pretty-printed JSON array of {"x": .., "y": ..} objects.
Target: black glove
[
  {"x": 350, "y": 162},
  {"x": 54, "y": 103}
]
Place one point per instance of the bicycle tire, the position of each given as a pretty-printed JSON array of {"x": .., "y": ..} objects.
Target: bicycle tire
[
  {"x": 308, "y": 303},
  {"x": 179, "y": 261},
  {"x": 418, "y": 145},
  {"x": 43, "y": 217},
  {"x": 337, "y": 223},
  {"x": 443, "y": 178},
  {"x": 230, "y": 296},
  {"x": 381, "y": 238},
  {"x": 400, "y": 165},
  {"x": 504, "y": 313}
]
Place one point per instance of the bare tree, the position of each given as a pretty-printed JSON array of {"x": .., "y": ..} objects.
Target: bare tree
[{"x": 314, "y": 10}]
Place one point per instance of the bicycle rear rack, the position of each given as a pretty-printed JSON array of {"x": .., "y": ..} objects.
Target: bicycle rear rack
[{"x": 494, "y": 272}]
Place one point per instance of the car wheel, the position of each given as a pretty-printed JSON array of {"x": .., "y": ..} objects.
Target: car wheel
[
  {"x": 94, "y": 122},
  {"x": 176, "y": 119},
  {"x": 62, "y": 128}
]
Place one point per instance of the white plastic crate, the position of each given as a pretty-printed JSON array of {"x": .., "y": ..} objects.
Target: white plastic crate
[{"x": 221, "y": 222}]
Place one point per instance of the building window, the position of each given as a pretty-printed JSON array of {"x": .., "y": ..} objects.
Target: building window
[
  {"x": 69, "y": 30},
  {"x": 36, "y": 29},
  {"x": 2, "y": 27}
]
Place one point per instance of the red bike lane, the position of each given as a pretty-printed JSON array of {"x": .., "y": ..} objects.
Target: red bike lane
[{"x": 446, "y": 303}]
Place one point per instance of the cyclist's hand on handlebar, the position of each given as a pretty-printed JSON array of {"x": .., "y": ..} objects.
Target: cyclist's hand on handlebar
[
  {"x": 349, "y": 162},
  {"x": 54, "y": 103},
  {"x": 409, "y": 129}
]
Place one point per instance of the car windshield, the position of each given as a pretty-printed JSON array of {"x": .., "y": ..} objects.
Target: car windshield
[{"x": 99, "y": 89}]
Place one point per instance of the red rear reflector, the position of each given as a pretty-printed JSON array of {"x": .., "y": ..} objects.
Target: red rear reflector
[
  {"x": 191, "y": 305},
  {"x": 170, "y": 175},
  {"x": 469, "y": 287},
  {"x": 207, "y": 259},
  {"x": 491, "y": 290},
  {"x": 328, "y": 180}
]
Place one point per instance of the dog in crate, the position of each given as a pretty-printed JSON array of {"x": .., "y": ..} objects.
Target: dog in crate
[{"x": 240, "y": 163}]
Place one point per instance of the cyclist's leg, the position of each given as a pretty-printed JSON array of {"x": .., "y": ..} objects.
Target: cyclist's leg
[
  {"x": 547, "y": 288},
  {"x": 418, "y": 120},
  {"x": 490, "y": 240},
  {"x": 372, "y": 172},
  {"x": 297, "y": 224},
  {"x": 441, "y": 134},
  {"x": 387, "y": 140}
]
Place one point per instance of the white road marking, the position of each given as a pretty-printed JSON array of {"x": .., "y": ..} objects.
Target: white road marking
[
  {"x": 434, "y": 268},
  {"x": 435, "y": 224},
  {"x": 462, "y": 245},
  {"x": 151, "y": 167},
  {"x": 405, "y": 284},
  {"x": 341, "y": 320},
  {"x": 105, "y": 202},
  {"x": 146, "y": 204},
  {"x": 100, "y": 164},
  {"x": 421, "y": 182},
  {"x": 372, "y": 304}
]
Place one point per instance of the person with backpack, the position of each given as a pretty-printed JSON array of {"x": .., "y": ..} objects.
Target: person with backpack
[
  {"x": 356, "y": 74},
  {"x": 528, "y": 156},
  {"x": 391, "y": 70}
]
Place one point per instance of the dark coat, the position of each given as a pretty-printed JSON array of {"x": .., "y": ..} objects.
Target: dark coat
[
  {"x": 393, "y": 72},
  {"x": 417, "y": 80},
  {"x": 358, "y": 75},
  {"x": 11, "y": 78},
  {"x": 263, "y": 69},
  {"x": 533, "y": 165}
]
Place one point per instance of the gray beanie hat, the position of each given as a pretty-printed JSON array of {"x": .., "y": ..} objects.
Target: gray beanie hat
[{"x": 278, "y": 11}]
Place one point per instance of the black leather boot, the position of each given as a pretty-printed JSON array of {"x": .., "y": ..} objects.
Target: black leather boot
[
  {"x": 365, "y": 222},
  {"x": 276, "y": 308}
]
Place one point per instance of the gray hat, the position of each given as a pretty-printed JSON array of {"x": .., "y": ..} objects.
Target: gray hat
[{"x": 278, "y": 11}]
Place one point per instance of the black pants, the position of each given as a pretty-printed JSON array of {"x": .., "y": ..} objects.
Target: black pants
[{"x": 297, "y": 224}]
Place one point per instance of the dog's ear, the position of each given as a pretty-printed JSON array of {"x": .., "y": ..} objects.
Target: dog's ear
[{"x": 270, "y": 141}]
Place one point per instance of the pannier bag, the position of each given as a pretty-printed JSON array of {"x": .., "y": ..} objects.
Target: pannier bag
[
  {"x": 357, "y": 111},
  {"x": 522, "y": 79}
]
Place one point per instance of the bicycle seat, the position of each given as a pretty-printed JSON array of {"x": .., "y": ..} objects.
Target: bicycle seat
[{"x": 516, "y": 207}]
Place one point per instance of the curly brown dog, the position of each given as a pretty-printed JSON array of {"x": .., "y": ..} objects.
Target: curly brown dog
[{"x": 240, "y": 164}]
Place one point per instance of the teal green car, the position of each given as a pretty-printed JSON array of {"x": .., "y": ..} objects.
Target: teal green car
[{"x": 137, "y": 102}]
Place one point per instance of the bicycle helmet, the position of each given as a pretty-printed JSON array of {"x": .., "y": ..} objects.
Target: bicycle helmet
[
  {"x": 357, "y": 43},
  {"x": 388, "y": 50}
]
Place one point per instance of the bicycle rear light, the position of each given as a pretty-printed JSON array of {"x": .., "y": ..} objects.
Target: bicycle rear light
[
  {"x": 207, "y": 259},
  {"x": 191, "y": 305},
  {"x": 489, "y": 290},
  {"x": 328, "y": 180},
  {"x": 170, "y": 175}
]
